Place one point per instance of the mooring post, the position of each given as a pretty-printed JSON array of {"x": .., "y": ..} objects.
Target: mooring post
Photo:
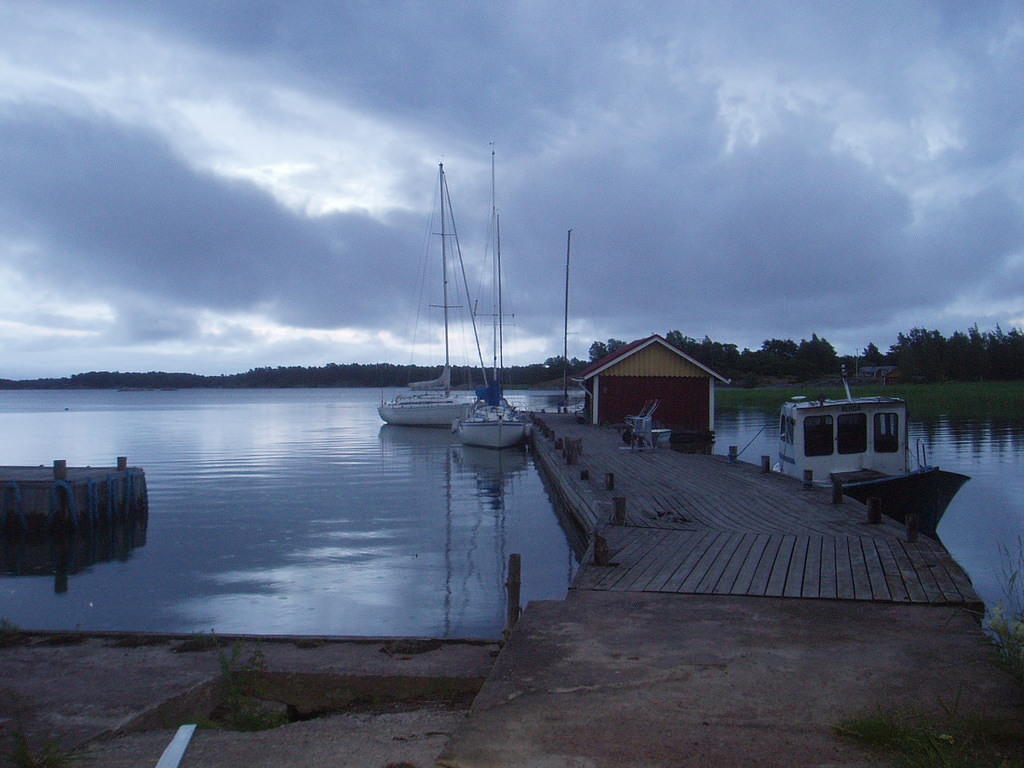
[
  {"x": 837, "y": 490},
  {"x": 619, "y": 510},
  {"x": 584, "y": 474},
  {"x": 766, "y": 464},
  {"x": 913, "y": 526},
  {"x": 609, "y": 481},
  {"x": 808, "y": 478},
  {"x": 602, "y": 556},
  {"x": 733, "y": 453},
  {"x": 60, "y": 469},
  {"x": 513, "y": 586},
  {"x": 874, "y": 510},
  {"x": 122, "y": 463}
]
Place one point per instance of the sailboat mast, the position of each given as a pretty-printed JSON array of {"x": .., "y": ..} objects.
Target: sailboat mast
[
  {"x": 565, "y": 334},
  {"x": 444, "y": 266}
]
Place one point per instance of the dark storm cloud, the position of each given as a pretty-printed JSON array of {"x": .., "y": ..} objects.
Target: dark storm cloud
[
  {"x": 740, "y": 170},
  {"x": 121, "y": 217}
]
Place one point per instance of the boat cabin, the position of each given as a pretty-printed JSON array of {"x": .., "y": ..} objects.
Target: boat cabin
[{"x": 862, "y": 435}]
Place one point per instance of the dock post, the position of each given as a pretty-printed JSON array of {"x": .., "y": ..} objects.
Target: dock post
[
  {"x": 733, "y": 453},
  {"x": 609, "y": 481},
  {"x": 808, "y": 478},
  {"x": 837, "y": 491},
  {"x": 122, "y": 463},
  {"x": 60, "y": 469},
  {"x": 913, "y": 526},
  {"x": 584, "y": 474},
  {"x": 601, "y": 554},
  {"x": 874, "y": 510},
  {"x": 619, "y": 510},
  {"x": 513, "y": 587},
  {"x": 766, "y": 464}
]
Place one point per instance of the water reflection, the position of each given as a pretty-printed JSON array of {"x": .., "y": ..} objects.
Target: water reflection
[
  {"x": 68, "y": 552},
  {"x": 289, "y": 511}
]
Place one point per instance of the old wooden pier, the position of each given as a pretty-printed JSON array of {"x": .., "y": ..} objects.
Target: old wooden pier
[
  {"x": 663, "y": 521},
  {"x": 44, "y": 499}
]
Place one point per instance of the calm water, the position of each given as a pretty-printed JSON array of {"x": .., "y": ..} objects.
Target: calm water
[
  {"x": 297, "y": 511},
  {"x": 986, "y": 518},
  {"x": 284, "y": 511}
]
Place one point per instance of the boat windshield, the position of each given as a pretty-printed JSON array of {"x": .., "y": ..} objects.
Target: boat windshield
[
  {"x": 818, "y": 436},
  {"x": 887, "y": 432},
  {"x": 852, "y": 433}
]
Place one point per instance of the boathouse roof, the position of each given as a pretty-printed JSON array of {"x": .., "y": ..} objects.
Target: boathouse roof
[{"x": 656, "y": 341}]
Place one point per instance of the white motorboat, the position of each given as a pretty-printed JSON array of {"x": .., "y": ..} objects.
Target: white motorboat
[{"x": 863, "y": 442}]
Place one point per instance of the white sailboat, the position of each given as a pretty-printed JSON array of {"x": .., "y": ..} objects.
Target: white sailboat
[
  {"x": 431, "y": 403},
  {"x": 493, "y": 422}
]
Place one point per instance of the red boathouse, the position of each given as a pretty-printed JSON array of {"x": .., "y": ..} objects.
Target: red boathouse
[{"x": 622, "y": 382}]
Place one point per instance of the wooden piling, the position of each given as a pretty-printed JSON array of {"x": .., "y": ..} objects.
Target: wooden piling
[
  {"x": 837, "y": 491},
  {"x": 584, "y": 474},
  {"x": 913, "y": 526},
  {"x": 874, "y": 510},
  {"x": 602, "y": 555},
  {"x": 619, "y": 510},
  {"x": 513, "y": 586},
  {"x": 766, "y": 464}
]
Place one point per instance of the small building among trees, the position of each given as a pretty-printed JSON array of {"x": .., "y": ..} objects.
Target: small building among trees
[{"x": 622, "y": 382}]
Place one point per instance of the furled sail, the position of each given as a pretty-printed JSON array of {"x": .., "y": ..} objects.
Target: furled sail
[{"x": 443, "y": 381}]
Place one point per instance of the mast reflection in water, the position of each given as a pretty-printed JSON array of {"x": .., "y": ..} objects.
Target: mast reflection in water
[{"x": 287, "y": 512}]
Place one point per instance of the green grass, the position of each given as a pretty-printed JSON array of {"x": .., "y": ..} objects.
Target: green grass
[
  {"x": 240, "y": 707},
  {"x": 1005, "y": 621},
  {"x": 946, "y": 740},
  {"x": 955, "y": 399}
]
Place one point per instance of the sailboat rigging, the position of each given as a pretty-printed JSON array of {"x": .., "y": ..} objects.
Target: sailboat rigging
[
  {"x": 493, "y": 422},
  {"x": 431, "y": 403}
]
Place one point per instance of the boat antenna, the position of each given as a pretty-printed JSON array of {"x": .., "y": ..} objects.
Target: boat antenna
[{"x": 565, "y": 334}]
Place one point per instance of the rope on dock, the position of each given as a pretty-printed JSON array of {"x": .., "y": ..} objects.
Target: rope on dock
[
  {"x": 12, "y": 490},
  {"x": 71, "y": 506},
  {"x": 92, "y": 495}
]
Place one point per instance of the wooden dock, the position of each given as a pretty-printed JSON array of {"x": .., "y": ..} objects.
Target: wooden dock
[
  {"x": 46, "y": 499},
  {"x": 698, "y": 524}
]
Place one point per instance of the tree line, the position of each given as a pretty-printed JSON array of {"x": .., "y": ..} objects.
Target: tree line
[{"x": 919, "y": 355}]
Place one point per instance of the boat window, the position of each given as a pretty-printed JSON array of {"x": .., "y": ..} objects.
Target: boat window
[
  {"x": 818, "y": 436},
  {"x": 790, "y": 424},
  {"x": 887, "y": 432},
  {"x": 852, "y": 432},
  {"x": 782, "y": 426}
]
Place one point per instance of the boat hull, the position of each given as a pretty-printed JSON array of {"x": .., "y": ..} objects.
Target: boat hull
[
  {"x": 423, "y": 415},
  {"x": 926, "y": 492},
  {"x": 491, "y": 434}
]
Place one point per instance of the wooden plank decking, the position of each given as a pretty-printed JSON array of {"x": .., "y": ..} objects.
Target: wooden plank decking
[{"x": 697, "y": 524}]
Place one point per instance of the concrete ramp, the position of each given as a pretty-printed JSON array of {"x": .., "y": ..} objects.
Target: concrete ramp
[{"x": 606, "y": 680}]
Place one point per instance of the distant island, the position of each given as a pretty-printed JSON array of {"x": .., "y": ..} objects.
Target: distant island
[{"x": 919, "y": 355}]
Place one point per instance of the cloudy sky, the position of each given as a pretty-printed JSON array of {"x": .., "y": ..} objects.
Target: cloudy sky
[{"x": 208, "y": 187}]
